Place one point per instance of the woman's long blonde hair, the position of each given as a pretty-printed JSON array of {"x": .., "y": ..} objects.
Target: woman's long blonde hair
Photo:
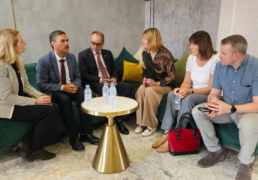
[
  {"x": 8, "y": 39},
  {"x": 153, "y": 37}
]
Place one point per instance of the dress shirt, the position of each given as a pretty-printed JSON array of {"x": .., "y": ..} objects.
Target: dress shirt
[
  {"x": 68, "y": 80},
  {"x": 239, "y": 85},
  {"x": 102, "y": 60}
]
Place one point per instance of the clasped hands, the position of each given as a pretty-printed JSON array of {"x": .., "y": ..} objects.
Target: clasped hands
[
  {"x": 182, "y": 92},
  {"x": 218, "y": 107},
  {"x": 44, "y": 100},
  {"x": 150, "y": 82},
  {"x": 70, "y": 88},
  {"x": 109, "y": 81}
]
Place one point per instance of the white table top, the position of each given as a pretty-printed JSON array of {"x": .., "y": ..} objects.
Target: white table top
[{"x": 124, "y": 106}]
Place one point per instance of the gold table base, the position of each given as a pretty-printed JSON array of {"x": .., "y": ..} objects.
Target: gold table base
[{"x": 111, "y": 156}]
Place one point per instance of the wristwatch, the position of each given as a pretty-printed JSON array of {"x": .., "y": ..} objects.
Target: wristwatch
[
  {"x": 233, "y": 109},
  {"x": 192, "y": 91}
]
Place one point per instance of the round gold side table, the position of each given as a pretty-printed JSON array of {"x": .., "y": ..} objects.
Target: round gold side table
[{"x": 111, "y": 156}]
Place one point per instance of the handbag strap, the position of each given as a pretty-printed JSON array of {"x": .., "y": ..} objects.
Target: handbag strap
[{"x": 191, "y": 120}]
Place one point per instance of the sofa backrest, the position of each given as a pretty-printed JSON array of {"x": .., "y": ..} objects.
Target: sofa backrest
[{"x": 31, "y": 73}]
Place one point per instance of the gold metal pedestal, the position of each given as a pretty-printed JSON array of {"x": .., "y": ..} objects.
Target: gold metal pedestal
[{"x": 111, "y": 156}]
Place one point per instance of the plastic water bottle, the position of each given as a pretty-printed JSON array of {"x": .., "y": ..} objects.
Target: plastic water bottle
[
  {"x": 87, "y": 96},
  {"x": 112, "y": 98},
  {"x": 177, "y": 102},
  {"x": 105, "y": 93}
]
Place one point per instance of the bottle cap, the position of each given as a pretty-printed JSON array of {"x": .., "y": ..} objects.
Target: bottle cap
[
  {"x": 112, "y": 85},
  {"x": 87, "y": 86},
  {"x": 105, "y": 84}
]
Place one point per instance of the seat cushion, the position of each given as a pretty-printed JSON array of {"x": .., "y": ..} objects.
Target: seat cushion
[{"x": 228, "y": 135}]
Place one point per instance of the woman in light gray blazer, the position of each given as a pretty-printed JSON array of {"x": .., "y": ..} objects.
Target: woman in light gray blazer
[{"x": 19, "y": 101}]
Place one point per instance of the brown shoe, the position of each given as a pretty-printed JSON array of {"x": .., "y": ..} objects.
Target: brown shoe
[
  {"x": 243, "y": 172},
  {"x": 159, "y": 142},
  {"x": 211, "y": 159},
  {"x": 26, "y": 154},
  {"x": 43, "y": 154},
  {"x": 163, "y": 148}
]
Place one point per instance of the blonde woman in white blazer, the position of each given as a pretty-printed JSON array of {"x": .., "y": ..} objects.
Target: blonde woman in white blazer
[{"x": 19, "y": 101}]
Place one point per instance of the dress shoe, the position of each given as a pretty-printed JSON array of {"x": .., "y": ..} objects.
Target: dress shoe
[
  {"x": 43, "y": 154},
  {"x": 121, "y": 127},
  {"x": 243, "y": 172},
  {"x": 89, "y": 138},
  {"x": 211, "y": 159},
  {"x": 163, "y": 148},
  {"x": 26, "y": 154},
  {"x": 76, "y": 144}
]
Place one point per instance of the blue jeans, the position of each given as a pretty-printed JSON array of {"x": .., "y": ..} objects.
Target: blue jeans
[{"x": 186, "y": 106}]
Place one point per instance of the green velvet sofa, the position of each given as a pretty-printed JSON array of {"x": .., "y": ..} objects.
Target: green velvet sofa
[{"x": 11, "y": 132}]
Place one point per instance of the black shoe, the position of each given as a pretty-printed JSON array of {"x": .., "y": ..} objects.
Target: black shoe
[
  {"x": 122, "y": 129},
  {"x": 90, "y": 138},
  {"x": 76, "y": 144},
  {"x": 25, "y": 151},
  {"x": 43, "y": 154}
]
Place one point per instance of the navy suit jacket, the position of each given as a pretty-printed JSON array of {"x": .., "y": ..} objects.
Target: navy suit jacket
[
  {"x": 48, "y": 77},
  {"x": 89, "y": 69}
]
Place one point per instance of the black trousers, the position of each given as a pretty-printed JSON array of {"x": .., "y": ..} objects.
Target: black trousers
[
  {"x": 124, "y": 89},
  {"x": 64, "y": 101},
  {"x": 45, "y": 124}
]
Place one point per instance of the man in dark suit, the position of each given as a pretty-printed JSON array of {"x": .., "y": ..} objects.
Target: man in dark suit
[
  {"x": 57, "y": 72},
  {"x": 97, "y": 67}
]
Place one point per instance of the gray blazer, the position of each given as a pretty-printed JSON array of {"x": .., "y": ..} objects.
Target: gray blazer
[
  {"x": 9, "y": 88},
  {"x": 48, "y": 77}
]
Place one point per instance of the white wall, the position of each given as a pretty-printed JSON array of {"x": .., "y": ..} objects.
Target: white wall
[
  {"x": 240, "y": 17},
  {"x": 121, "y": 21},
  {"x": 177, "y": 20}
]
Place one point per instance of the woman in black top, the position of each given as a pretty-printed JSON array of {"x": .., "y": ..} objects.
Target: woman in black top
[{"x": 19, "y": 101}]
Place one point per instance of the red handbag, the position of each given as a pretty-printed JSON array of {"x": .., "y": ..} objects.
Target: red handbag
[{"x": 184, "y": 141}]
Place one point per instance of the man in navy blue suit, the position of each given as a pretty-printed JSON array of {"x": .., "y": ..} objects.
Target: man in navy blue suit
[
  {"x": 57, "y": 72},
  {"x": 97, "y": 67}
]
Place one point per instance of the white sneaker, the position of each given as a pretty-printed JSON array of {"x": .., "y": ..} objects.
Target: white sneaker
[
  {"x": 149, "y": 131},
  {"x": 139, "y": 129}
]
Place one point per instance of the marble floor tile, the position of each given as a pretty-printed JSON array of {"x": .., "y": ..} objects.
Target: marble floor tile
[{"x": 146, "y": 163}]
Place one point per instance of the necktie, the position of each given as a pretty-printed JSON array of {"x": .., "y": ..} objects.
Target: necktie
[
  {"x": 102, "y": 68},
  {"x": 63, "y": 75}
]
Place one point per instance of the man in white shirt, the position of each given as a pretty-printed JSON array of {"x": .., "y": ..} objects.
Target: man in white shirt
[{"x": 57, "y": 72}]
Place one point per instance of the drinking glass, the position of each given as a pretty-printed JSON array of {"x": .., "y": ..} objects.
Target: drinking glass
[
  {"x": 213, "y": 98},
  {"x": 48, "y": 94}
]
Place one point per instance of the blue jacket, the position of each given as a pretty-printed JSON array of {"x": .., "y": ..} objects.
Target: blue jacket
[{"x": 48, "y": 76}]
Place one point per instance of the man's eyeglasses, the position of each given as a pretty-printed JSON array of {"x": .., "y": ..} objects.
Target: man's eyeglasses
[{"x": 95, "y": 44}]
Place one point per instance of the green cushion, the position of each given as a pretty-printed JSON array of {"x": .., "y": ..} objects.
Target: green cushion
[
  {"x": 12, "y": 132},
  {"x": 180, "y": 67},
  {"x": 228, "y": 135},
  {"x": 162, "y": 108},
  {"x": 119, "y": 61},
  {"x": 31, "y": 73}
]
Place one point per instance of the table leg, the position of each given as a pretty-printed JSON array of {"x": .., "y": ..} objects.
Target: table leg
[
  {"x": 111, "y": 156},
  {"x": 110, "y": 121}
]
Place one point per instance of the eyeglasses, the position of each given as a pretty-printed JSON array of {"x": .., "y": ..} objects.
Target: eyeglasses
[{"x": 95, "y": 44}]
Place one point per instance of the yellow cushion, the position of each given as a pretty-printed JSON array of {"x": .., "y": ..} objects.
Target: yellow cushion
[{"x": 132, "y": 72}]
